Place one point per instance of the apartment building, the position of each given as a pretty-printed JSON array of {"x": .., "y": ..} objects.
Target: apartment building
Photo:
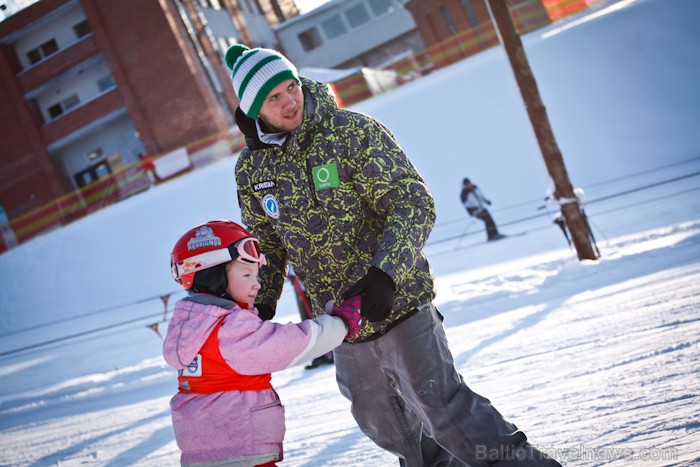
[
  {"x": 89, "y": 85},
  {"x": 350, "y": 33}
]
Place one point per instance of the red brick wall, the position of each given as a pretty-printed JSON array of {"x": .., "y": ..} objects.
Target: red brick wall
[
  {"x": 28, "y": 178},
  {"x": 156, "y": 70},
  {"x": 431, "y": 23},
  {"x": 434, "y": 28}
]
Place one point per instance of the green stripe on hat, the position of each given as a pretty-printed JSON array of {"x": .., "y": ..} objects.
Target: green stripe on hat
[
  {"x": 251, "y": 74},
  {"x": 245, "y": 57},
  {"x": 267, "y": 88}
]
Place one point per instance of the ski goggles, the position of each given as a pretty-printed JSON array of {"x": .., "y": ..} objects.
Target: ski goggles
[{"x": 245, "y": 251}]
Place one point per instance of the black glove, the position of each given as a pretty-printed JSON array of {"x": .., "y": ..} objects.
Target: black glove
[
  {"x": 265, "y": 311},
  {"x": 488, "y": 202},
  {"x": 377, "y": 291}
]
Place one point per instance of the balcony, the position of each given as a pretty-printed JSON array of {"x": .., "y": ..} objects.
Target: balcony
[
  {"x": 57, "y": 64},
  {"x": 82, "y": 117}
]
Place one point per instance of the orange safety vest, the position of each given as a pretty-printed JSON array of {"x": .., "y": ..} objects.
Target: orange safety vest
[{"x": 209, "y": 373}]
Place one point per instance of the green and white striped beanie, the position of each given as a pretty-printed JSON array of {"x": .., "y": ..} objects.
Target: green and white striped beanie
[{"x": 256, "y": 72}]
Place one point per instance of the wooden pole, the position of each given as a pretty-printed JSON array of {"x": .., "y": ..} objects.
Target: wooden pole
[{"x": 508, "y": 35}]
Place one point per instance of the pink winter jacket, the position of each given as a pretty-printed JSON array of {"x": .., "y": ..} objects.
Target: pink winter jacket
[{"x": 241, "y": 427}]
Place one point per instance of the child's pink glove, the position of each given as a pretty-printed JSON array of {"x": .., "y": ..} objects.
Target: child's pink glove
[{"x": 349, "y": 312}]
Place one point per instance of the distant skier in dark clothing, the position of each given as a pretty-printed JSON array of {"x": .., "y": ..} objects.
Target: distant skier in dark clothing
[
  {"x": 553, "y": 197},
  {"x": 475, "y": 203}
]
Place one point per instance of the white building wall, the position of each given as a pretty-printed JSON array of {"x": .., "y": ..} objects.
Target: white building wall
[
  {"x": 356, "y": 41},
  {"x": 115, "y": 137},
  {"x": 260, "y": 29},
  {"x": 84, "y": 85}
]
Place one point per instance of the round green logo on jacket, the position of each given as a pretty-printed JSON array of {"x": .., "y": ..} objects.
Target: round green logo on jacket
[{"x": 325, "y": 176}]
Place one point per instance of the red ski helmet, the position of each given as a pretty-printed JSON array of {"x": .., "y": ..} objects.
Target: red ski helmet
[{"x": 210, "y": 244}]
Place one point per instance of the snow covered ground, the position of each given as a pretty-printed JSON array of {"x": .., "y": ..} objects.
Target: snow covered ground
[{"x": 596, "y": 361}]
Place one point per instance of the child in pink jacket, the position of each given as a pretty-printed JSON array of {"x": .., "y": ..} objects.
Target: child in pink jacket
[{"x": 226, "y": 410}]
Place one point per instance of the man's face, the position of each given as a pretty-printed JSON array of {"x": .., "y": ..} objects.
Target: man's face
[{"x": 283, "y": 109}]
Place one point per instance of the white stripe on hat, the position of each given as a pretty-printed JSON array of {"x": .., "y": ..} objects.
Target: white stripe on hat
[
  {"x": 262, "y": 76},
  {"x": 248, "y": 61}
]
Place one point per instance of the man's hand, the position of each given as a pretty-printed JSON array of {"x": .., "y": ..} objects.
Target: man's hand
[
  {"x": 349, "y": 312},
  {"x": 376, "y": 290}
]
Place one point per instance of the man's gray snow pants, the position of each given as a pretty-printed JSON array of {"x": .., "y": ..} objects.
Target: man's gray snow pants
[{"x": 409, "y": 399}]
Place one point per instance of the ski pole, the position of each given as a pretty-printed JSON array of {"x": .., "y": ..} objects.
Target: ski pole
[{"x": 465, "y": 232}]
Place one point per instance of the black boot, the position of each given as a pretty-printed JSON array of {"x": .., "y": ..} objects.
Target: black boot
[{"x": 326, "y": 359}]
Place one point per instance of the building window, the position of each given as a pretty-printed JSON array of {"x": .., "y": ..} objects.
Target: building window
[
  {"x": 82, "y": 29},
  {"x": 70, "y": 101},
  {"x": 106, "y": 83},
  {"x": 379, "y": 7},
  {"x": 92, "y": 174},
  {"x": 466, "y": 4},
  {"x": 357, "y": 15},
  {"x": 55, "y": 110},
  {"x": 43, "y": 51},
  {"x": 310, "y": 39},
  {"x": 334, "y": 27},
  {"x": 63, "y": 106},
  {"x": 448, "y": 19},
  {"x": 102, "y": 170}
]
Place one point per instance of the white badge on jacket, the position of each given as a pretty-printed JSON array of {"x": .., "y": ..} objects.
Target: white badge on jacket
[{"x": 270, "y": 206}]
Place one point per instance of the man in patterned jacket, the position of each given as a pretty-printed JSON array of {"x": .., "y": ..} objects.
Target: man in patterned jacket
[{"x": 331, "y": 191}]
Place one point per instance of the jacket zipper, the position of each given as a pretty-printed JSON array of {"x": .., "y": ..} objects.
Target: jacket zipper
[{"x": 312, "y": 186}]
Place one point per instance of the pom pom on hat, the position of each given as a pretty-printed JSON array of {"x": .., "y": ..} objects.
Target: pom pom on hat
[
  {"x": 256, "y": 72},
  {"x": 232, "y": 54}
]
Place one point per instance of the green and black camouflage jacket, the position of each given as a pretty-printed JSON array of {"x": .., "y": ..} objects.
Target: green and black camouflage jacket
[{"x": 337, "y": 197}]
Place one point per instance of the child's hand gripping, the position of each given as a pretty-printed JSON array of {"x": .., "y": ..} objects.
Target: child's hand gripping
[{"x": 349, "y": 312}]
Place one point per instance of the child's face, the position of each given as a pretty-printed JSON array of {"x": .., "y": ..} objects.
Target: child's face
[{"x": 243, "y": 285}]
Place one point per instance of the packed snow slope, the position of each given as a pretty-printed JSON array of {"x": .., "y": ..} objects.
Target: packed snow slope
[{"x": 595, "y": 360}]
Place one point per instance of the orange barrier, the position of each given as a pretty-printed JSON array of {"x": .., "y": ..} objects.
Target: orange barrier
[
  {"x": 463, "y": 45},
  {"x": 124, "y": 181},
  {"x": 529, "y": 16},
  {"x": 558, "y": 9},
  {"x": 78, "y": 204},
  {"x": 351, "y": 90},
  {"x": 215, "y": 147}
]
